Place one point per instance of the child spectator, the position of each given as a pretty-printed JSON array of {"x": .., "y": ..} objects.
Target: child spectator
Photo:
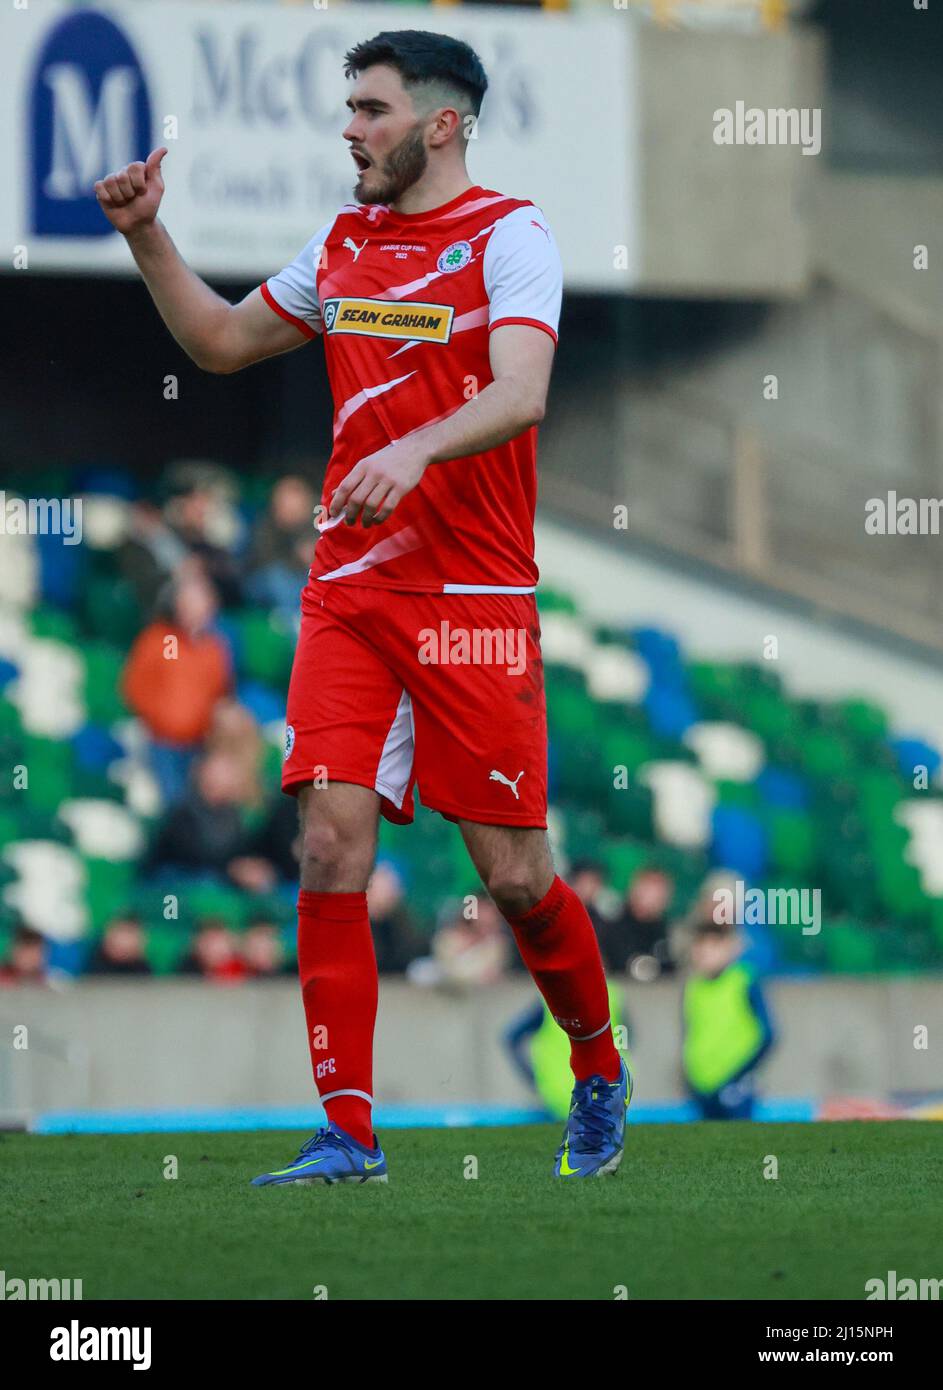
[
  {"x": 26, "y": 963},
  {"x": 214, "y": 955},
  {"x": 727, "y": 1029},
  {"x": 264, "y": 951},
  {"x": 121, "y": 949}
]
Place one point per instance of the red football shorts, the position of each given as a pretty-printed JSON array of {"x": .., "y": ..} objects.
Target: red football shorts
[{"x": 446, "y": 691}]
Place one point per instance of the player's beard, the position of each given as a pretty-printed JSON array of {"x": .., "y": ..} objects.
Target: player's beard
[{"x": 401, "y": 169}]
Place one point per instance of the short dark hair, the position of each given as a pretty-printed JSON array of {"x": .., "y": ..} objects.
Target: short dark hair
[
  {"x": 587, "y": 866},
  {"x": 721, "y": 929},
  {"x": 419, "y": 56}
]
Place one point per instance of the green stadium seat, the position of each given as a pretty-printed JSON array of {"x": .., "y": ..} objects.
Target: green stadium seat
[
  {"x": 110, "y": 609},
  {"x": 936, "y": 922},
  {"x": 585, "y": 832},
  {"x": 770, "y": 716},
  {"x": 850, "y": 949},
  {"x": 743, "y": 794},
  {"x": 863, "y": 720},
  {"x": 630, "y": 810},
  {"x": 630, "y": 748},
  {"x": 165, "y": 948},
  {"x": 900, "y": 891},
  {"x": 49, "y": 769},
  {"x": 109, "y": 890},
  {"x": 267, "y": 648},
  {"x": 55, "y": 623},
  {"x": 825, "y": 755},
  {"x": 552, "y": 601},
  {"x": 792, "y": 842},
  {"x": 9, "y": 826},
  {"x": 623, "y": 859},
  {"x": 10, "y": 722},
  {"x": 848, "y": 880},
  {"x": 103, "y": 666},
  {"x": 199, "y": 900}
]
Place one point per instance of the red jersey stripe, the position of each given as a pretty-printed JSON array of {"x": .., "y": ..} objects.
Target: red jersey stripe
[{"x": 300, "y": 324}]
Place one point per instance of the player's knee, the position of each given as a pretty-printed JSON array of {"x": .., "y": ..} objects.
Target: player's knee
[
  {"x": 330, "y": 861},
  {"x": 515, "y": 889}
]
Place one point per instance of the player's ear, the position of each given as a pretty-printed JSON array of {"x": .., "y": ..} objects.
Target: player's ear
[{"x": 446, "y": 122}]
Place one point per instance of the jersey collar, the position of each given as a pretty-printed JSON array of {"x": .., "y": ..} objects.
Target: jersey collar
[{"x": 413, "y": 219}]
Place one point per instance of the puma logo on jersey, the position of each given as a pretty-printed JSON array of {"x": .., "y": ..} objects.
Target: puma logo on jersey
[
  {"x": 496, "y": 776},
  {"x": 351, "y": 245}
]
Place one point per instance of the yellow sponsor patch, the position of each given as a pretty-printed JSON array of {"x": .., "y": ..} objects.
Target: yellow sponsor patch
[{"x": 378, "y": 318}]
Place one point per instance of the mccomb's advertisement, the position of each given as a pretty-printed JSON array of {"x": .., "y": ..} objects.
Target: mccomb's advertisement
[{"x": 249, "y": 100}]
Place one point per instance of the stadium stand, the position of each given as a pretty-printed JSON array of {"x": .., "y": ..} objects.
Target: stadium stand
[{"x": 656, "y": 761}]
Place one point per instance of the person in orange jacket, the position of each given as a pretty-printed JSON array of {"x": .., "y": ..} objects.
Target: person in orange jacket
[{"x": 176, "y": 672}]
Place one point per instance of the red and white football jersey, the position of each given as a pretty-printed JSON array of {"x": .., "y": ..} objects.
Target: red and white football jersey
[{"x": 404, "y": 305}]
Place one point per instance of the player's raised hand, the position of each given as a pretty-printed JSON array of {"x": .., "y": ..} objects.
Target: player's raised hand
[{"x": 130, "y": 198}]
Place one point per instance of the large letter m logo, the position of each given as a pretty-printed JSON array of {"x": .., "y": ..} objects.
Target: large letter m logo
[{"x": 89, "y": 114}]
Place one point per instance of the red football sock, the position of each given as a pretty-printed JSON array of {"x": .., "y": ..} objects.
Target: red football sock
[
  {"x": 338, "y": 971},
  {"x": 558, "y": 944}
]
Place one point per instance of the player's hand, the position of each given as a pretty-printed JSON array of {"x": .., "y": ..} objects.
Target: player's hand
[
  {"x": 379, "y": 482},
  {"x": 130, "y": 198}
]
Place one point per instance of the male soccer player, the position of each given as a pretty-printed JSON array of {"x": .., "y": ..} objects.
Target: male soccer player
[{"x": 418, "y": 661}]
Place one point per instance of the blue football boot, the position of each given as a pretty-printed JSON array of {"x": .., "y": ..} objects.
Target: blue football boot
[
  {"x": 595, "y": 1128},
  {"x": 331, "y": 1155}
]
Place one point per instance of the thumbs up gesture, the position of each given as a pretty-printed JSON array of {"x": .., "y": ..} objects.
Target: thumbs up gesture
[{"x": 130, "y": 198}]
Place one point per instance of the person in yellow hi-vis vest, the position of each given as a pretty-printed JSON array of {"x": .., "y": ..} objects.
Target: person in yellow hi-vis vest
[
  {"x": 727, "y": 1028},
  {"x": 540, "y": 1050}
]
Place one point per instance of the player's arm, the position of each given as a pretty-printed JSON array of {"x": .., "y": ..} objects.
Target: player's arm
[
  {"x": 521, "y": 359},
  {"x": 217, "y": 335}
]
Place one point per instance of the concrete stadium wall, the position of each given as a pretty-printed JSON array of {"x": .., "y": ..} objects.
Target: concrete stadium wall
[
  {"x": 723, "y": 218},
  {"x": 176, "y": 1044}
]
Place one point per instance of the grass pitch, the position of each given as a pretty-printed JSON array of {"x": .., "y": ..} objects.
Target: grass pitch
[{"x": 690, "y": 1215}]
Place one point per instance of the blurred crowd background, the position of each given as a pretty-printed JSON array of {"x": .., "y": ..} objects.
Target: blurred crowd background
[{"x": 153, "y": 835}]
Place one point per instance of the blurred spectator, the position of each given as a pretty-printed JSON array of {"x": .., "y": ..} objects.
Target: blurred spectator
[
  {"x": 264, "y": 951},
  {"x": 121, "y": 949},
  {"x": 714, "y": 902},
  {"x": 637, "y": 940},
  {"x": 150, "y": 554},
  {"x": 282, "y": 547},
  {"x": 204, "y": 830},
  {"x": 395, "y": 938},
  {"x": 540, "y": 1051},
  {"x": 702, "y": 911},
  {"x": 587, "y": 878},
  {"x": 200, "y": 511},
  {"x": 473, "y": 951},
  {"x": 214, "y": 954},
  {"x": 234, "y": 731},
  {"x": 727, "y": 1028},
  {"x": 26, "y": 962},
  {"x": 269, "y": 855},
  {"x": 173, "y": 686},
  {"x": 536, "y": 1044}
]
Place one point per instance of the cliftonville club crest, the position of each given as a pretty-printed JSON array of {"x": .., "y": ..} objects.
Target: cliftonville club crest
[{"x": 454, "y": 257}]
